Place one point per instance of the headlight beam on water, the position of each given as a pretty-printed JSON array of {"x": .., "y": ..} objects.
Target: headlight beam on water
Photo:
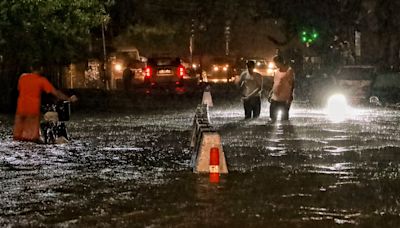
[{"x": 337, "y": 108}]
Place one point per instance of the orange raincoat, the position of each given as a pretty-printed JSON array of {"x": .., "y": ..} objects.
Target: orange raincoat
[{"x": 27, "y": 118}]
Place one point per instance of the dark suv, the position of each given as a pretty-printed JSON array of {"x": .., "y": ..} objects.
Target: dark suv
[{"x": 164, "y": 71}]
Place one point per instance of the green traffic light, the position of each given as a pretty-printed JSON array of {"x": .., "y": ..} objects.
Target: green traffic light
[{"x": 308, "y": 36}]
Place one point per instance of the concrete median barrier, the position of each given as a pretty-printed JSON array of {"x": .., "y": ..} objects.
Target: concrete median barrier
[{"x": 205, "y": 139}]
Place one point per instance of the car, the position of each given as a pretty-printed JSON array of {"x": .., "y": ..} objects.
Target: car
[
  {"x": 387, "y": 87},
  {"x": 354, "y": 82},
  {"x": 219, "y": 70},
  {"x": 193, "y": 73},
  {"x": 120, "y": 59},
  {"x": 164, "y": 71}
]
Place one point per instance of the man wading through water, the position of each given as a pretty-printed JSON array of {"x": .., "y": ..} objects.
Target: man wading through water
[
  {"x": 282, "y": 90},
  {"x": 251, "y": 84}
]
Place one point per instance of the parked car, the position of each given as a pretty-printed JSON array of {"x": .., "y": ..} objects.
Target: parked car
[{"x": 165, "y": 71}]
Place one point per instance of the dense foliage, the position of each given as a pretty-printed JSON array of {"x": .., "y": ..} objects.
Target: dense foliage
[
  {"x": 165, "y": 25},
  {"x": 50, "y": 31}
]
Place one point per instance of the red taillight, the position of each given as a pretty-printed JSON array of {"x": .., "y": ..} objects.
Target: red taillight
[
  {"x": 147, "y": 72},
  {"x": 181, "y": 71}
]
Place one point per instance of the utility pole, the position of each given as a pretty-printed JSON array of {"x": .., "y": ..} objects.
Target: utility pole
[
  {"x": 104, "y": 44},
  {"x": 191, "y": 41},
  {"x": 357, "y": 45},
  {"x": 227, "y": 36},
  {"x": 106, "y": 74}
]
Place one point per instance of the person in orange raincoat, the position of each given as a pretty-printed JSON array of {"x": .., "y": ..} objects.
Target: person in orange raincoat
[{"x": 27, "y": 117}]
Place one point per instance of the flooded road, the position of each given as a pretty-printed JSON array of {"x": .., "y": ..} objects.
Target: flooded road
[{"x": 133, "y": 170}]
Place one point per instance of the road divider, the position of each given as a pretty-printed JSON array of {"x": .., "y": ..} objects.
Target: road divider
[
  {"x": 207, "y": 98},
  {"x": 208, "y": 155}
]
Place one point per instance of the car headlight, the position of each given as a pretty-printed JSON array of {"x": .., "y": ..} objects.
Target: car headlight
[
  {"x": 215, "y": 68},
  {"x": 118, "y": 67},
  {"x": 271, "y": 66},
  {"x": 337, "y": 108}
]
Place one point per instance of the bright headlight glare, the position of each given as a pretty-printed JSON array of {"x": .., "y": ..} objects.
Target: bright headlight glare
[
  {"x": 271, "y": 65},
  {"x": 215, "y": 68},
  {"x": 118, "y": 67},
  {"x": 337, "y": 108}
]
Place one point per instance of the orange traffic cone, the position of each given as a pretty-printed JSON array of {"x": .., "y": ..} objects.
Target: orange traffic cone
[{"x": 214, "y": 165}]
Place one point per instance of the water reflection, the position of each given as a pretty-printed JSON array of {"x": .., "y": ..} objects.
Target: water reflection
[{"x": 134, "y": 170}]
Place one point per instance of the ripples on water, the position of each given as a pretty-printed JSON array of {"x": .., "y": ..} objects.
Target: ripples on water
[
  {"x": 134, "y": 169},
  {"x": 340, "y": 159}
]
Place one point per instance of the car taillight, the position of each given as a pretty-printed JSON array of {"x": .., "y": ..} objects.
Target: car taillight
[
  {"x": 181, "y": 71},
  {"x": 147, "y": 72}
]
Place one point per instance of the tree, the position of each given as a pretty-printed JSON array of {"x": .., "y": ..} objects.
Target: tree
[
  {"x": 388, "y": 19},
  {"x": 51, "y": 31},
  {"x": 154, "y": 26},
  {"x": 158, "y": 26}
]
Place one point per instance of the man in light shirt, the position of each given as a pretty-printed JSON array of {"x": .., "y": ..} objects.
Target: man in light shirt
[
  {"x": 282, "y": 90},
  {"x": 251, "y": 84}
]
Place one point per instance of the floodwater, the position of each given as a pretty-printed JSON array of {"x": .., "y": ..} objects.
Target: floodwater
[{"x": 133, "y": 170}]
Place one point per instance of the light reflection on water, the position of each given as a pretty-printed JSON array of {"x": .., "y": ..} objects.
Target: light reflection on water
[
  {"x": 339, "y": 217},
  {"x": 134, "y": 169}
]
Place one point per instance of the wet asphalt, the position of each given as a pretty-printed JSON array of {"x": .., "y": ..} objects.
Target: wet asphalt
[{"x": 132, "y": 169}]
